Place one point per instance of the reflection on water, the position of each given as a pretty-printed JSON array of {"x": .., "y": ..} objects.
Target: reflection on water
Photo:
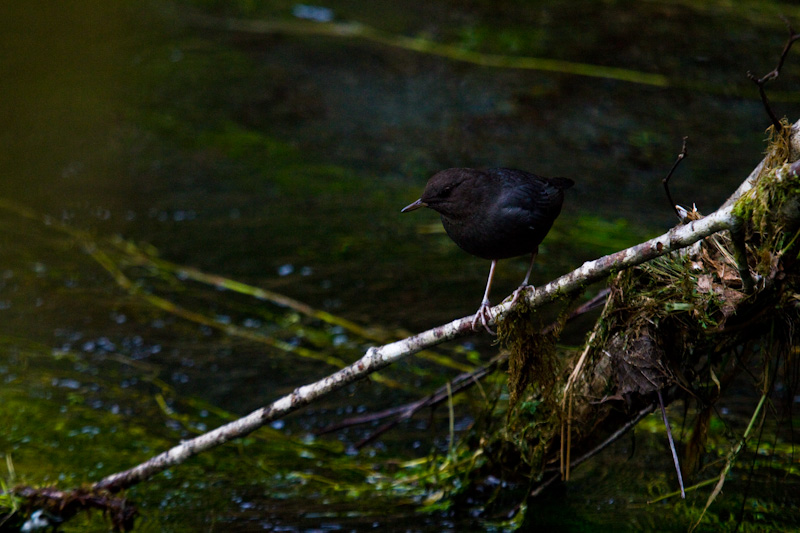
[{"x": 282, "y": 161}]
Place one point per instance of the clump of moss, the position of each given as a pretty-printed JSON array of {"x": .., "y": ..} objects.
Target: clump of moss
[
  {"x": 535, "y": 374},
  {"x": 532, "y": 357},
  {"x": 764, "y": 204},
  {"x": 669, "y": 326}
]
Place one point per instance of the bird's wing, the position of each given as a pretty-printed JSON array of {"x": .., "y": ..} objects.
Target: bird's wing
[{"x": 534, "y": 202}]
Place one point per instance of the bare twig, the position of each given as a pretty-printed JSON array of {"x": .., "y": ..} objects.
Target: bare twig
[
  {"x": 665, "y": 181},
  {"x": 398, "y": 414},
  {"x": 773, "y": 74},
  {"x": 539, "y": 489},
  {"x": 630, "y": 424},
  {"x": 671, "y": 444}
]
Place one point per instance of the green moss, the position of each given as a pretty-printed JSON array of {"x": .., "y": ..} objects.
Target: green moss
[{"x": 532, "y": 360}]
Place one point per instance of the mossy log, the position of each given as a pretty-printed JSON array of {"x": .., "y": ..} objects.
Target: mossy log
[{"x": 682, "y": 325}]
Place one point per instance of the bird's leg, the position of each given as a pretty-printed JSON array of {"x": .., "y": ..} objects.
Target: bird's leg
[
  {"x": 530, "y": 269},
  {"x": 484, "y": 313},
  {"x": 524, "y": 285}
]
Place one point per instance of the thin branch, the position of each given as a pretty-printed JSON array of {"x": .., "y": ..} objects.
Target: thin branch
[
  {"x": 538, "y": 490},
  {"x": 671, "y": 444},
  {"x": 665, "y": 181},
  {"x": 592, "y": 271},
  {"x": 630, "y": 424},
  {"x": 773, "y": 74},
  {"x": 460, "y": 383}
]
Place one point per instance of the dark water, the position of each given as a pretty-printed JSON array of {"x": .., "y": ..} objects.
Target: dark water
[{"x": 281, "y": 160}]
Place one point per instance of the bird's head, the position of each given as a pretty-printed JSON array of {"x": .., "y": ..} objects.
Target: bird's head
[{"x": 448, "y": 193}]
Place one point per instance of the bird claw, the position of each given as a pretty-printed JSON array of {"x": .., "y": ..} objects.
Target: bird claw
[
  {"x": 519, "y": 292},
  {"x": 484, "y": 315}
]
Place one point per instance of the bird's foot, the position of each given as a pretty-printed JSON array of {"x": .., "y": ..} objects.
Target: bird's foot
[
  {"x": 484, "y": 316},
  {"x": 521, "y": 290}
]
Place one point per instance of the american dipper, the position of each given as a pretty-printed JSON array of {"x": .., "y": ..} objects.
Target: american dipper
[{"x": 494, "y": 214}]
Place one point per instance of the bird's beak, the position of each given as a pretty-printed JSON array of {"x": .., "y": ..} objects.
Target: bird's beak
[{"x": 416, "y": 205}]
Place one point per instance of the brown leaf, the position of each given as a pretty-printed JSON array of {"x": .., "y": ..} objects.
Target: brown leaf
[
  {"x": 638, "y": 363},
  {"x": 704, "y": 284}
]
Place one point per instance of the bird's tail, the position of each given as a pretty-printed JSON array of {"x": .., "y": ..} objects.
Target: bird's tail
[{"x": 561, "y": 183}]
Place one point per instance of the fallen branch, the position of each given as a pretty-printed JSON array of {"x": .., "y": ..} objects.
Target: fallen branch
[
  {"x": 57, "y": 506},
  {"x": 377, "y": 358}
]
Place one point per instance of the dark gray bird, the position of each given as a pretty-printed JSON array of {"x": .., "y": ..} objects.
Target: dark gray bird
[{"x": 494, "y": 214}]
